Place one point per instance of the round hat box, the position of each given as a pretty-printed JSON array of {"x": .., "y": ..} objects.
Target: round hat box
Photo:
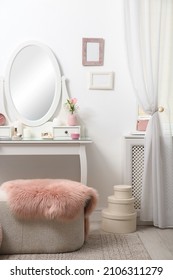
[{"x": 118, "y": 223}]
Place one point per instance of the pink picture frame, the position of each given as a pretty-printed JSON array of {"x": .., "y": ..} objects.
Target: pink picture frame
[{"x": 92, "y": 51}]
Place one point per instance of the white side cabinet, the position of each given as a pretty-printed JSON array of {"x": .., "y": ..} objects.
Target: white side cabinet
[{"x": 134, "y": 166}]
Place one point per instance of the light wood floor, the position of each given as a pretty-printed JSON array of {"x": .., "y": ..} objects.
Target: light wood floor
[{"x": 158, "y": 242}]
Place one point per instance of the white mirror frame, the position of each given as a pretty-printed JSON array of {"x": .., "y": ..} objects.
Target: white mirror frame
[{"x": 57, "y": 95}]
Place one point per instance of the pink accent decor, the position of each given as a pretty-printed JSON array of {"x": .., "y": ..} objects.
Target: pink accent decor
[
  {"x": 72, "y": 119},
  {"x": 141, "y": 125},
  {"x": 75, "y": 135},
  {"x": 50, "y": 199},
  {"x": 85, "y": 60},
  {"x": 2, "y": 119}
]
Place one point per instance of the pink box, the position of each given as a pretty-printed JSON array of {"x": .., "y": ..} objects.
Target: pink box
[{"x": 141, "y": 125}]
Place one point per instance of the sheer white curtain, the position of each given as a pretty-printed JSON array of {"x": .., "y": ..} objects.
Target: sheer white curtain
[{"x": 149, "y": 38}]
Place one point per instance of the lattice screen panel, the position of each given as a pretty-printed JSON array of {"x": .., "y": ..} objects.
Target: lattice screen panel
[{"x": 137, "y": 173}]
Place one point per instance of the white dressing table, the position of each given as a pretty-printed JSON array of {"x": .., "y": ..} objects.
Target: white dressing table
[
  {"x": 49, "y": 147},
  {"x": 34, "y": 97}
]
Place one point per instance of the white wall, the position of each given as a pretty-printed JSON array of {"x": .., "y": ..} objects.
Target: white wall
[{"x": 107, "y": 115}]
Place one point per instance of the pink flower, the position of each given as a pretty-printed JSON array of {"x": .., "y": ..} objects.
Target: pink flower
[
  {"x": 71, "y": 105},
  {"x": 73, "y": 100}
]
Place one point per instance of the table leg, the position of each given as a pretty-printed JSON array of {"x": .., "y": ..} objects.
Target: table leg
[{"x": 83, "y": 164}]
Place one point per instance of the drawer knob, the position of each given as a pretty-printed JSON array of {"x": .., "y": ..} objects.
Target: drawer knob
[{"x": 66, "y": 131}]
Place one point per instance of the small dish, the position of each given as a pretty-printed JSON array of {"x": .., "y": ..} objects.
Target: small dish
[
  {"x": 75, "y": 136},
  {"x": 46, "y": 136}
]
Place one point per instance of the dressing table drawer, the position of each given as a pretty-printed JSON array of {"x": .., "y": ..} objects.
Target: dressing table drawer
[
  {"x": 5, "y": 132},
  {"x": 64, "y": 132}
]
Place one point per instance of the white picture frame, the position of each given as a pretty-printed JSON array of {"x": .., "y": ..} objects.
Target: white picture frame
[{"x": 101, "y": 80}]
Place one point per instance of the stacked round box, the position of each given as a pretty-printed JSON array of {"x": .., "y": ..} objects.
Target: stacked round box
[{"x": 120, "y": 216}]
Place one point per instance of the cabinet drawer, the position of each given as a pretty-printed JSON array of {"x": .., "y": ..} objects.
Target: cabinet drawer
[
  {"x": 5, "y": 132},
  {"x": 64, "y": 132}
]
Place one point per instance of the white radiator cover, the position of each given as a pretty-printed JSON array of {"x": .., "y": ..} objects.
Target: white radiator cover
[{"x": 134, "y": 166}]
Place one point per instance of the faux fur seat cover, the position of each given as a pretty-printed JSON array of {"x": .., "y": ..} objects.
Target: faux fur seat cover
[{"x": 50, "y": 199}]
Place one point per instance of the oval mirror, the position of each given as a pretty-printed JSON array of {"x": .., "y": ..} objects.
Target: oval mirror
[{"x": 33, "y": 83}]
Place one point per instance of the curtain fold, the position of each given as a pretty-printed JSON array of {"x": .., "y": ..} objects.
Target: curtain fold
[{"x": 149, "y": 39}]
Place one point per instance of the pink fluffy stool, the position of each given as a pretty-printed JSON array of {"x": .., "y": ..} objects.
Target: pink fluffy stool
[{"x": 44, "y": 215}]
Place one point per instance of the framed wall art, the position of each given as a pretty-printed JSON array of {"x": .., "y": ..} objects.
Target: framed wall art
[
  {"x": 92, "y": 51},
  {"x": 101, "y": 80}
]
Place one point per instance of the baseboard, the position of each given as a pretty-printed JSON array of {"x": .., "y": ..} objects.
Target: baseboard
[{"x": 142, "y": 223}]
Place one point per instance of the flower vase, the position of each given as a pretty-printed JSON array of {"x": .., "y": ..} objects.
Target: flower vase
[{"x": 72, "y": 119}]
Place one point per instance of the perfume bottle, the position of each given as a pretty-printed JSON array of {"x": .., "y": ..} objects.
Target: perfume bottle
[{"x": 16, "y": 135}]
